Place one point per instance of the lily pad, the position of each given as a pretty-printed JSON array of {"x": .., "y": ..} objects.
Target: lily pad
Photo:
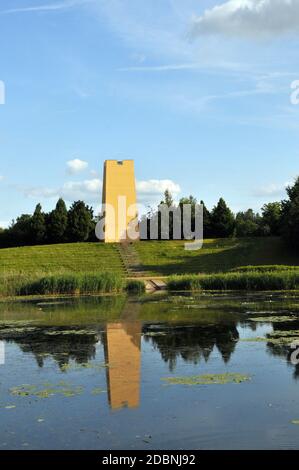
[{"x": 208, "y": 379}]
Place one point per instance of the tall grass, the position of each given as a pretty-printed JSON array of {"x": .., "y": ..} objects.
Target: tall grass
[
  {"x": 135, "y": 287},
  {"x": 71, "y": 284},
  {"x": 61, "y": 284},
  {"x": 249, "y": 281},
  {"x": 265, "y": 268}
]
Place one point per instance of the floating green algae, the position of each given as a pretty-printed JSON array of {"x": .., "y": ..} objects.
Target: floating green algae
[
  {"x": 256, "y": 339},
  {"x": 42, "y": 391},
  {"x": 84, "y": 365},
  {"x": 295, "y": 421},
  {"x": 283, "y": 337},
  {"x": 208, "y": 379},
  {"x": 70, "y": 332},
  {"x": 155, "y": 333},
  {"x": 273, "y": 319},
  {"x": 287, "y": 333},
  {"x": 97, "y": 391}
]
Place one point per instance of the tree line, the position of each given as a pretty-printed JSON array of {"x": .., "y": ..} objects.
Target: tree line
[
  {"x": 77, "y": 224},
  {"x": 58, "y": 226},
  {"x": 279, "y": 218}
]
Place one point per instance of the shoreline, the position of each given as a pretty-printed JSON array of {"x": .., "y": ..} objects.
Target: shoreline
[{"x": 33, "y": 298}]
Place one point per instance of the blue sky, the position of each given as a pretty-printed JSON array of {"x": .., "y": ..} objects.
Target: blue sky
[{"x": 197, "y": 92}]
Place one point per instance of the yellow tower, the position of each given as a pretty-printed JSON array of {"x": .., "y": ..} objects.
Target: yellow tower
[{"x": 119, "y": 199}]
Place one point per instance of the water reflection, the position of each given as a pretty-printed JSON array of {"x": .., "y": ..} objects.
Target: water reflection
[
  {"x": 189, "y": 330},
  {"x": 122, "y": 349},
  {"x": 97, "y": 354},
  {"x": 193, "y": 342},
  {"x": 62, "y": 344},
  {"x": 122, "y": 346},
  {"x": 280, "y": 348}
]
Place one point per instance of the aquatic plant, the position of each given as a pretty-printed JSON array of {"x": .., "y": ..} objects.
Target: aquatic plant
[
  {"x": 249, "y": 281},
  {"x": 135, "y": 286},
  {"x": 208, "y": 379},
  {"x": 70, "y": 284}
]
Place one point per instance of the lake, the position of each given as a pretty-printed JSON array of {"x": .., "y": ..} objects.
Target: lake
[{"x": 200, "y": 371}]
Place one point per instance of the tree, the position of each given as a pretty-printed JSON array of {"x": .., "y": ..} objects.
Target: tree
[
  {"x": 271, "y": 217},
  {"x": 80, "y": 222},
  {"x": 247, "y": 224},
  {"x": 190, "y": 201},
  {"x": 57, "y": 223},
  {"x": 223, "y": 221},
  {"x": 207, "y": 228},
  {"x": 290, "y": 216},
  {"x": 165, "y": 225},
  {"x": 38, "y": 225},
  {"x": 20, "y": 232},
  {"x": 168, "y": 199}
]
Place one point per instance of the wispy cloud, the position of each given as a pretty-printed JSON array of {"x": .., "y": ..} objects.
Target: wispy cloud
[
  {"x": 271, "y": 190},
  {"x": 232, "y": 67},
  {"x": 67, "y": 4},
  {"x": 160, "y": 68}
]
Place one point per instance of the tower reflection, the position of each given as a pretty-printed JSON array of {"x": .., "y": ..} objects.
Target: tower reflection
[{"x": 122, "y": 347}]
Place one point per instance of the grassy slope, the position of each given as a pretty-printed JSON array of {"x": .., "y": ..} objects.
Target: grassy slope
[
  {"x": 59, "y": 259},
  {"x": 220, "y": 255},
  {"x": 158, "y": 258}
]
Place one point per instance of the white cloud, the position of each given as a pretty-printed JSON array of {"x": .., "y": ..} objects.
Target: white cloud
[
  {"x": 76, "y": 166},
  {"x": 271, "y": 190},
  {"x": 150, "y": 192},
  {"x": 47, "y": 7},
  {"x": 90, "y": 190},
  {"x": 158, "y": 187},
  {"x": 249, "y": 18}
]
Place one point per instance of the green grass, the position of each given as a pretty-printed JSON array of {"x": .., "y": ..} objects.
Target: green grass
[
  {"x": 59, "y": 259},
  {"x": 250, "y": 281},
  {"x": 69, "y": 284},
  {"x": 156, "y": 257},
  {"x": 85, "y": 267},
  {"x": 219, "y": 255},
  {"x": 264, "y": 269}
]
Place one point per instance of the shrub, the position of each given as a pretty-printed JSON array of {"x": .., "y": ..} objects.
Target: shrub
[{"x": 135, "y": 287}]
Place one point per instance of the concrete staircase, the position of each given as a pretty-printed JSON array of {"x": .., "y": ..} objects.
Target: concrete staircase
[
  {"x": 134, "y": 269},
  {"x": 130, "y": 259}
]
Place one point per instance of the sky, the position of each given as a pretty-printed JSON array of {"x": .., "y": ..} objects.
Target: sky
[{"x": 197, "y": 92}]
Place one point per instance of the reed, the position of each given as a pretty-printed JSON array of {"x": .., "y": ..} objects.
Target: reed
[
  {"x": 71, "y": 284},
  {"x": 248, "y": 281},
  {"x": 135, "y": 287}
]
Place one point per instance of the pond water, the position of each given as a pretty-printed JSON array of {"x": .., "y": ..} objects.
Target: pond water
[{"x": 206, "y": 371}]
